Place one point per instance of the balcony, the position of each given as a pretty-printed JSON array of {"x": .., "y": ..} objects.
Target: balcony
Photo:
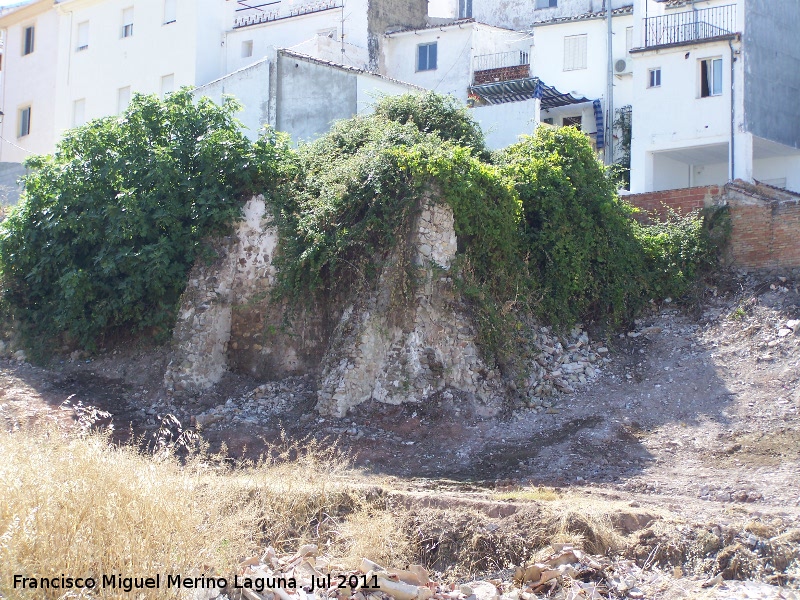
[
  {"x": 690, "y": 26},
  {"x": 502, "y": 66}
]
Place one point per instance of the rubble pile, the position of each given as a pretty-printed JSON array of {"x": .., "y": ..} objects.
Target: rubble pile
[
  {"x": 566, "y": 574},
  {"x": 564, "y": 363}
]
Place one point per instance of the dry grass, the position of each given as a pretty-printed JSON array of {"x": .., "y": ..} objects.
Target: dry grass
[{"x": 77, "y": 506}]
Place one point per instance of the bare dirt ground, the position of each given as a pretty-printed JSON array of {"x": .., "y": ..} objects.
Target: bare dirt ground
[{"x": 695, "y": 422}]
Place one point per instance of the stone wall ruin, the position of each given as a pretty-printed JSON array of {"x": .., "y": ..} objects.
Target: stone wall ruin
[{"x": 383, "y": 343}]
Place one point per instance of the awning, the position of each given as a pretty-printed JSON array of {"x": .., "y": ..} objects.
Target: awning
[{"x": 517, "y": 90}]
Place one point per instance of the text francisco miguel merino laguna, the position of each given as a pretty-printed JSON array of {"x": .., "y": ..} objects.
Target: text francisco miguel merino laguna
[{"x": 155, "y": 582}]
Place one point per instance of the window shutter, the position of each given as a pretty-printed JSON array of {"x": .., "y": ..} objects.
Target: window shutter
[
  {"x": 83, "y": 35},
  {"x": 170, "y": 11},
  {"x": 575, "y": 52}
]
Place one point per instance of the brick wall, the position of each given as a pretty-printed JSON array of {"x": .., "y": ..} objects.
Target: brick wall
[
  {"x": 502, "y": 74},
  {"x": 682, "y": 201},
  {"x": 765, "y": 227},
  {"x": 765, "y": 221}
]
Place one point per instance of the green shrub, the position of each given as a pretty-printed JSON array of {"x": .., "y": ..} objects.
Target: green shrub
[
  {"x": 435, "y": 113},
  {"x": 677, "y": 251},
  {"x": 110, "y": 224},
  {"x": 579, "y": 238}
]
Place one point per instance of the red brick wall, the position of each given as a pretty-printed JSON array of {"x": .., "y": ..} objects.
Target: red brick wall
[
  {"x": 502, "y": 74},
  {"x": 682, "y": 201},
  {"x": 765, "y": 221},
  {"x": 765, "y": 231}
]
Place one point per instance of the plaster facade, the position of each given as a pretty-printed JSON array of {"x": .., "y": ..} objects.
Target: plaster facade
[{"x": 743, "y": 128}]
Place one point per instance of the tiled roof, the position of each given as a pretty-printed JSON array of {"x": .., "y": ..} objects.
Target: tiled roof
[{"x": 617, "y": 12}]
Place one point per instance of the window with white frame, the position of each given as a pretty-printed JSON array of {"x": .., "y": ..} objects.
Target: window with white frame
[
  {"x": 127, "y": 22},
  {"x": 167, "y": 84},
  {"x": 464, "y": 9},
  {"x": 83, "y": 36},
  {"x": 247, "y": 48},
  {"x": 710, "y": 77},
  {"x": 575, "y": 52},
  {"x": 123, "y": 98},
  {"x": 170, "y": 11},
  {"x": 79, "y": 112},
  {"x": 628, "y": 39},
  {"x": 426, "y": 56},
  {"x": 24, "y": 122},
  {"x": 28, "y": 40},
  {"x": 546, "y": 3},
  {"x": 654, "y": 77}
]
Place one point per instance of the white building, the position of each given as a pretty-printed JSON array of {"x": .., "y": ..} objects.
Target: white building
[
  {"x": 69, "y": 61},
  {"x": 716, "y": 84},
  {"x": 74, "y": 60}
]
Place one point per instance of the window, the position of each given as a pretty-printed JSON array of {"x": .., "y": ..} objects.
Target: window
[
  {"x": 247, "y": 48},
  {"x": 79, "y": 112},
  {"x": 464, "y": 9},
  {"x": 83, "y": 36},
  {"x": 575, "y": 52},
  {"x": 27, "y": 45},
  {"x": 127, "y": 22},
  {"x": 123, "y": 98},
  {"x": 546, "y": 3},
  {"x": 170, "y": 11},
  {"x": 576, "y": 122},
  {"x": 426, "y": 57},
  {"x": 628, "y": 39},
  {"x": 24, "y": 121},
  {"x": 710, "y": 77},
  {"x": 654, "y": 77},
  {"x": 167, "y": 84}
]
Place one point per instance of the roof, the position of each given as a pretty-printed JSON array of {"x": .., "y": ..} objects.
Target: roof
[
  {"x": 442, "y": 26},
  {"x": 24, "y": 10},
  {"x": 327, "y": 63},
  {"x": 617, "y": 12},
  {"x": 517, "y": 90}
]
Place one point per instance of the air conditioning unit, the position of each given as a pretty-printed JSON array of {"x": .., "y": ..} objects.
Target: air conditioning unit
[{"x": 623, "y": 66}]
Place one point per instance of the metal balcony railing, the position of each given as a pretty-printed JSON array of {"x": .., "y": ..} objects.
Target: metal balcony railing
[
  {"x": 502, "y": 66},
  {"x": 690, "y": 26},
  {"x": 500, "y": 60},
  {"x": 250, "y": 13}
]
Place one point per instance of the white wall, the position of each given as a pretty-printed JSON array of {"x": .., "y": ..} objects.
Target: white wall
[
  {"x": 674, "y": 116},
  {"x": 370, "y": 89},
  {"x": 547, "y": 58},
  {"x": 112, "y": 62},
  {"x": 453, "y": 69},
  {"x": 30, "y": 81},
  {"x": 769, "y": 170},
  {"x": 502, "y": 124},
  {"x": 294, "y": 33},
  {"x": 252, "y": 87},
  {"x": 521, "y": 14}
]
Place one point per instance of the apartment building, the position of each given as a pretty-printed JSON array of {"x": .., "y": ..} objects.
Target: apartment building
[
  {"x": 715, "y": 93},
  {"x": 74, "y": 60}
]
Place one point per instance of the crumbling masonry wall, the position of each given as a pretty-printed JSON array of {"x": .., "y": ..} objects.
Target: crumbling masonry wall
[{"x": 400, "y": 339}]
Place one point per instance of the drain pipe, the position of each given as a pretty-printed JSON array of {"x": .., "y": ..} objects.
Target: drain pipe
[
  {"x": 733, "y": 110},
  {"x": 610, "y": 91}
]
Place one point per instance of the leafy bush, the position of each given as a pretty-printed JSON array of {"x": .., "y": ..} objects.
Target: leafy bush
[
  {"x": 435, "y": 113},
  {"x": 580, "y": 240},
  {"x": 111, "y": 223},
  {"x": 679, "y": 250}
]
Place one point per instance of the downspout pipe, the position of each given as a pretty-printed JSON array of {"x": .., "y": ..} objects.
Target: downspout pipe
[
  {"x": 610, "y": 91},
  {"x": 733, "y": 111}
]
